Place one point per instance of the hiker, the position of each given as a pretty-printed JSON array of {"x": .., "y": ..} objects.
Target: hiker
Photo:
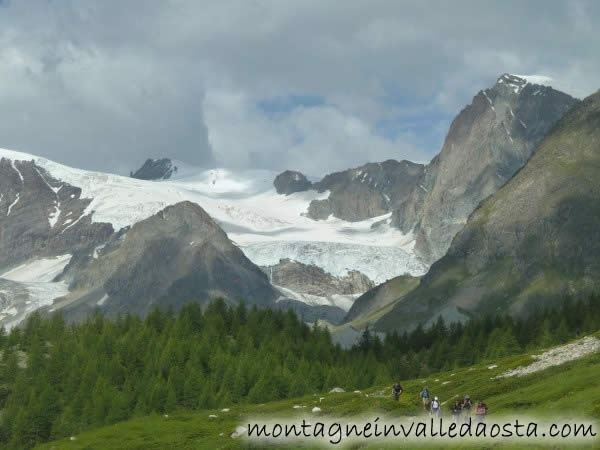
[
  {"x": 466, "y": 407},
  {"x": 435, "y": 407},
  {"x": 481, "y": 411},
  {"x": 425, "y": 397},
  {"x": 397, "y": 390},
  {"x": 456, "y": 411}
]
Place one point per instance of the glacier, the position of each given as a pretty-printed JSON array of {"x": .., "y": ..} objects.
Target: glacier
[{"x": 266, "y": 226}]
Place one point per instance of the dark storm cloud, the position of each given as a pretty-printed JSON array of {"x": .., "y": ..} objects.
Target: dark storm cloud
[
  {"x": 312, "y": 85},
  {"x": 90, "y": 84}
]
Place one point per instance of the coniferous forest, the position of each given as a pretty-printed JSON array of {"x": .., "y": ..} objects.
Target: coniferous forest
[{"x": 57, "y": 379}]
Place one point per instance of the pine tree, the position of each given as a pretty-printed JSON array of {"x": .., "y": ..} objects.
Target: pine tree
[
  {"x": 562, "y": 334},
  {"x": 545, "y": 336}
]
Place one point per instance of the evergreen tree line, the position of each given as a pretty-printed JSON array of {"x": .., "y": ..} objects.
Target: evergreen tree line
[
  {"x": 58, "y": 379},
  {"x": 443, "y": 347}
]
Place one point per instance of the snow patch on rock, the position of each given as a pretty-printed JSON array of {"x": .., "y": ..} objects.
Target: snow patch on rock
[{"x": 42, "y": 270}]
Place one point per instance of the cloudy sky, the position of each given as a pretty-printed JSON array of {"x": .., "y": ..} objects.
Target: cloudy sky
[{"x": 314, "y": 85}]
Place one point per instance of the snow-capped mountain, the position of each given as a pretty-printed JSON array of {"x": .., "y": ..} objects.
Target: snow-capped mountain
[
  {"x": 266, "y": 226},
  {"x": 379, "y": 220},
  {"x": 488, "y": 142},
  {"x": 532, "y": 245}
]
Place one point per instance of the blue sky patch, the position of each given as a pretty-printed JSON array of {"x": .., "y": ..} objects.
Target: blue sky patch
[{"x": 285, "y": 104}]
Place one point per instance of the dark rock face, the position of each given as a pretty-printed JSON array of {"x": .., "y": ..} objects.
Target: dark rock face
[
  {"x": 308, "y": 279},
  {"x": 488, "y": 142},
  {"x": 530, "y": 245},
  {"x": 155, "y": 169},
  {"x": 365, "y": 192},
  {"x": 41, "y": 216},
  {"x": 312, "y": 313},
  {"x": 290, "y": 181},
  {"x": 176, "y": 256}
]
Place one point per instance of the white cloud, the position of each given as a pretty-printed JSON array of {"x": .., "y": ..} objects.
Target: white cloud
[
  {"x": 316, "y": 139},
  {"x": 106, "y": 84}
]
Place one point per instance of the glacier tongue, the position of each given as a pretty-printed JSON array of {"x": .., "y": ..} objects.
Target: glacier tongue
[{"x": 337, "y": 258}]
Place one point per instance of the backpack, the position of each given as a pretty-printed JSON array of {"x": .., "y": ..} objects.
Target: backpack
[{"x": 425, "y": 394}]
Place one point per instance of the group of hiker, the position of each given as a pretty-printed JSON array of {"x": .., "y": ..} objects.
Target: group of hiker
[{"x": 461, "y": 409}]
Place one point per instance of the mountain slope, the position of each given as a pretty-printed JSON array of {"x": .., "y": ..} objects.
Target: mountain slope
[
  {"x": 365, "y": 192},
  {"x": 178, "y": 255},
  {"x": 531, "y": 244},
  {"x": 39, "y": 215},
  {"x": 555, "y": 393},
  {"x": 381, "y": 296},
  {"x": 487, "y": 143}
]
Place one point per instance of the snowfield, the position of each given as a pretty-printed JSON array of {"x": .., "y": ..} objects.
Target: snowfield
[
  {"x": 344, "y": 302},
  {"x": 29, "y": 287},
  {"x": 265, "y": 225},
  {"x": 42, "y": 270}
]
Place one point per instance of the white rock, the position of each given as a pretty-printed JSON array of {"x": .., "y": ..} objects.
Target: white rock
[
  {"x": 212, "y": 416},
  {"x": 225, "y": 410},
  {"x": 316, "y": 409},
  {"x": 493, "y": 366},
  {"x": 336, "y": 389},
  {"x": 445, "y": 382},
  {"x": 239, "y": 431},
  {"x": 73, "y": 438},
  {"x": 298, "y": 406},
  {"x": 321, "y": 399},
  {"x": 557, "y": 356},
  {"x": 357, "y": 392}
]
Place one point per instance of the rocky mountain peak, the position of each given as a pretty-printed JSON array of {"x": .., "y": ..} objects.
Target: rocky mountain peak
[
  {"x": 516, "y": 83},
  {"x": 177, "y": 255},
  {"x": 291, "y": 181},
  {"x": 155, "y": 169},
  {"x": 488, "y": 142},
  {"x": 532, "y": 244}
]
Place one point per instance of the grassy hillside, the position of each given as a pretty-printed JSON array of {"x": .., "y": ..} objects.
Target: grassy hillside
[
  {"x": 571, "y": 388},
  {"x": 377, "y": 301}
]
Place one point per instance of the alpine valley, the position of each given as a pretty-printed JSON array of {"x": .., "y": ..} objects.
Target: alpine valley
[{"x": 394, "y": 243}]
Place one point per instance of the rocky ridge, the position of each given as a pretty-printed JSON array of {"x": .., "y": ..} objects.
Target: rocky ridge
[
  {"x": 312, "y": 280},
  {"x": 156, "y": 169},
  {"x": 488, "y": 142},
  {"x": 532, "y": 244}
]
